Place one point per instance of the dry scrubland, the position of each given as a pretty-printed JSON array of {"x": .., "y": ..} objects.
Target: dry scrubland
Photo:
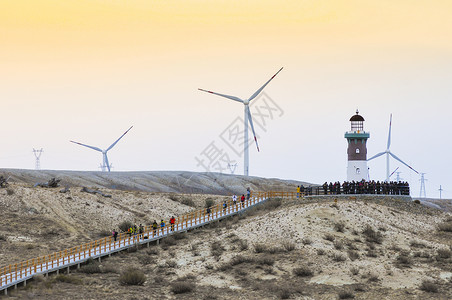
[{"x": 306, "y": 249}]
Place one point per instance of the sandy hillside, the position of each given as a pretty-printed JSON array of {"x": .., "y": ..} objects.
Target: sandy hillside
[
  {"x": 374, "y": 247},
  {"x": 155, "y": 181}
]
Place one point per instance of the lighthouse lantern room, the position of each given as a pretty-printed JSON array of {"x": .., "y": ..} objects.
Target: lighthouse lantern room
[{"x": 357, "y": 149}]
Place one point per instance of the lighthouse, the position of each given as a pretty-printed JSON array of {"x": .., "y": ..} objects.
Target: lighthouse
[{"x": 357, "y": 149}]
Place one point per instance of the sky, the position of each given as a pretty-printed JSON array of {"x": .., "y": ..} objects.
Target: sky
[{"x": 88, "y": 70}]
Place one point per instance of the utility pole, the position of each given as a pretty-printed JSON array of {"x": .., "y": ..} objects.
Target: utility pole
[
  {"x": 232, "y": 167},
  {"x": 422, "y": 192},
  {"x": 37, "y": 154}
]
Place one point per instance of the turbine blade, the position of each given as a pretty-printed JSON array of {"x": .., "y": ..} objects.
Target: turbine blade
[
  {"x": 106, "y": 161},
  {"x": 225, "y": 96},
  {"x": 260, "y": 90},
  {"x": 396, "y": 158},
  {"x": 252, "y": 126},
  {"x": 112, "y": 145},
  {"x": 91, "y": 147},
  {"x": 376, "y": 155},
  {"x": 389, "y": 135},
  {"x": 394, "y": 172}
]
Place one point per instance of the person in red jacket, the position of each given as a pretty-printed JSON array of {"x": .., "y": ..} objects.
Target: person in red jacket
[
  {"x": 172, "y": 222},
  {"x": 242, "y": 199}
]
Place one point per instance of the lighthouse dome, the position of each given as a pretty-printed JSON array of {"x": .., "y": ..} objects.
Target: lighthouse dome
[{"x": 357, "y": 117}]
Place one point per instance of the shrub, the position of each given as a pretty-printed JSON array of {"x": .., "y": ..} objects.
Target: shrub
[
  {"x": 354, "y": 270},
  {"x": 346, "y": 295},
  {"x": 339, "y": 226},
  {"x": 372, "y": 236},
  {"x": 216, "y": 249},
  {"x": 288, "y": 246},
  {"x": 125, "y": 225},
  {"x": 188, "y": 202},
  {"x": 303, "y": 271},
  {"x": 446, "y": 226},
  {"x": 338, "y": 245},
  {"x": 2, "y": 237},
  {"x": 132, "y": 276},
  {"x": 339, "y": 257},
  {"x": 321, "y": 252},
  {"x": 371, "y": 253},
  {"x": 306, "y": 241},
  {"x": 239, "y": 259},
  {"x": 428, "y": 286},
  {"x": 171, "y": 264},
  {"x": 260, "y": 247},
  {"x": 417, "y": 201},
  {"x": 209, "y": 202},
  {"x": 169, "y": 241},
  {"x": 179, "y": 236},
  {"x": 404, "y": 260},
  {"x": 91, "y": 267},
  {"x": 146, "y": 260},
  {"x": 265, "y": 260},
  {"x": 68, "y": 279},
  {"x": 444, "y": 253},
  {"x": 153, "y": 251},
  {"x": 353, "y": 255},
  {"x": 284, "y": 293},
  {"x": 329, "y": 237},
  {"x": 243, "y": 245},
  {"x": 373, "y": 277},
  {"x": 9, "y": 192},
  {"x": 181, "y": 287},
  {"x": 416, "y": 244}
]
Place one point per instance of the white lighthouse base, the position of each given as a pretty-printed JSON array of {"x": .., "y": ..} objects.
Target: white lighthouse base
[{"x": 357, "y": 170}]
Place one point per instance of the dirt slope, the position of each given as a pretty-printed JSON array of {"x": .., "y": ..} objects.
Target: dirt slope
[{"x": 312, "y": 248}]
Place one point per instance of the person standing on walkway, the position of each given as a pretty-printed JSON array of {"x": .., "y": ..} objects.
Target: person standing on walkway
[
  {"x": 154, "y": 227},
  {"x": 242, "y": 199},
  {"x": 162, "y": 225},
  {"x": 115, "y": 234},
  {"x": 298, "y": 192},
  {"x": 234, "y": 199},
  {"x": 172, "y": 222},
  {"x": 248, "y": 194}
]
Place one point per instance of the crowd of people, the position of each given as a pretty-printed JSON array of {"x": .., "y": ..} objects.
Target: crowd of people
[
  {"x": 367, "y": 187},
  {"x": 357, "y": 187}
]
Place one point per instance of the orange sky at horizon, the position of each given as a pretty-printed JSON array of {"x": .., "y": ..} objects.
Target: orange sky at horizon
[{"x": 88, "y": 69}]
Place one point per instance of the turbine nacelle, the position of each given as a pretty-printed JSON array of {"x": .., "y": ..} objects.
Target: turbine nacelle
[{"x": 105, "y": 164}]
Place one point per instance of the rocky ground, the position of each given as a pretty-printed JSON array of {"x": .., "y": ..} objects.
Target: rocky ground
[{"x": 311, "y": 248}]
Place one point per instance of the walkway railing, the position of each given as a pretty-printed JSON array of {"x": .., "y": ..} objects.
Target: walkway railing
[{"x": 13, "y": 274}]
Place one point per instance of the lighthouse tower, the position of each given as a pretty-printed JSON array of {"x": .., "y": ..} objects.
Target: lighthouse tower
[{"x": 357, "y": 149}]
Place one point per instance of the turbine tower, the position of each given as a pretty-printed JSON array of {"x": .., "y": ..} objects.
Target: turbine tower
[
  {"x": 440, "y": 191},
  {"x": 247, "y": 119},
  {"x": 105, "y": 164},
  {"x": 389, "y": 153},
  {"x": 38, "y": 158}
]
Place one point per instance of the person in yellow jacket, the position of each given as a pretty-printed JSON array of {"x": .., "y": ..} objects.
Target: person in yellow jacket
[{"x": 298, "y": 192}]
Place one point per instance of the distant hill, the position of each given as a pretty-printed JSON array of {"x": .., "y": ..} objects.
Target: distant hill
[
  {"x": 443, "y": 204},
  {"x": 155, "y": 181}
]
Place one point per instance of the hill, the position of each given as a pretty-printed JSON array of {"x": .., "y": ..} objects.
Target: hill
[{"x": 155, "y": 181}]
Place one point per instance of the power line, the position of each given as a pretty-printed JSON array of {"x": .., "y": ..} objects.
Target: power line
[
  {"x": 37, "y": 154},
  {"x": 422, "y": 192}
]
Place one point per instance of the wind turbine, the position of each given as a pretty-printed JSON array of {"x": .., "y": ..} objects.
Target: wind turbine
[
  {"x": 389, "y": 153},
  {"x": 247, "y": 119},
  {"x": 105, "y": 164}
]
